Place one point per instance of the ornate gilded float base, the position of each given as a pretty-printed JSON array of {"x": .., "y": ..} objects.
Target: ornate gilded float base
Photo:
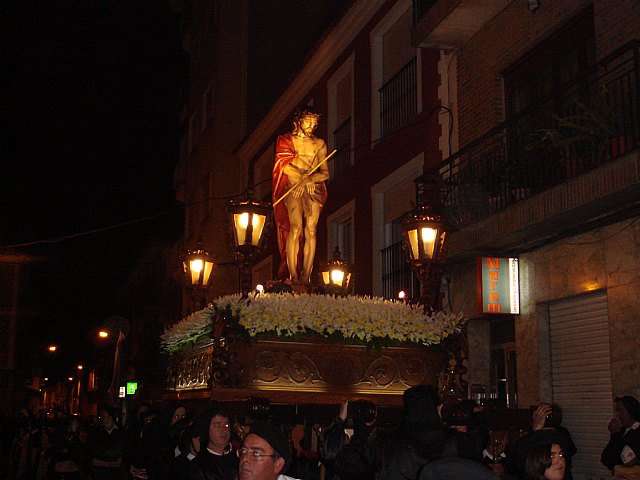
[{"x": 313, "y": 372}]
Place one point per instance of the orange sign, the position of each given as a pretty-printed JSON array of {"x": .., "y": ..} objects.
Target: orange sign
[{"x": 499, "y": 289}]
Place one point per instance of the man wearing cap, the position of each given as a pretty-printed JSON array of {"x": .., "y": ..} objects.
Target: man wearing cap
[{"x": 265, "y": 453}]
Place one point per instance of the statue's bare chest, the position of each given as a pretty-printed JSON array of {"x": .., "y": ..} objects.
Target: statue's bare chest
[{"x": 306, "y": 148}]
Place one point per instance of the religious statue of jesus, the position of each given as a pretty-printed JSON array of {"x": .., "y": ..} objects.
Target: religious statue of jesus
[{"x": 299, "y": 193}]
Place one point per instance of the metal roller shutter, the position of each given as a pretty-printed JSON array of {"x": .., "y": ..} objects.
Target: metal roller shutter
[{"x": 581, "y": 377}]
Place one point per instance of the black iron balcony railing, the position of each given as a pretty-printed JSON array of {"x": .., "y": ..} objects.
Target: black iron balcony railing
[
  {"x": 595, "y": 119},
  {"x": 397, "y": 274},
  {"x": 399, "y": 99},
  {"x": 342, "y": 143}
]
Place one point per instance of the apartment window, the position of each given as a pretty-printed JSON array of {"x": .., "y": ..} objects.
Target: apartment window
[
  {"x": 340, "y": 231},
  {"x": 344, "y": 237},
  {"x": 397, "y": 274},
  {"x": 340, "y": 118},
  {"x": 392, "y": 197},
  {"x": 395, "y": 69},
  {"x": 549, "y": 81}
]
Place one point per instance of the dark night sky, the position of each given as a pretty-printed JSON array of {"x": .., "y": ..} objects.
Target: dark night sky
[
  {"x": 90, "y": 100},
  {"x": 90, "y": 96}
]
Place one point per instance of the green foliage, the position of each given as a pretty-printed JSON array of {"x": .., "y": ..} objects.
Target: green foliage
[{"x": 587, "y": 130}]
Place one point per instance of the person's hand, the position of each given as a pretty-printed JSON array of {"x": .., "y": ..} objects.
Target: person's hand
[
  {"x": 540, "y": 415},
  {"x": 615, "y": 425},
  {"x": 298, "y": 191},
  {"x": 308, "y": 183},
  {"x": 311, "y": 188}
]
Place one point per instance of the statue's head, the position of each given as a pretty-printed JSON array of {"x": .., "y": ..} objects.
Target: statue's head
[{"x": 305, "y": 120}]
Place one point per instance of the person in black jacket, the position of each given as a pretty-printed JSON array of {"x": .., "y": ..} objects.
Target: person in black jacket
[
  {"x": 106, "y": 447},
  {"x": 624, "y": 445},
  {"x": 420, "y": 438},
  {"x": 70, "y": 450},
  {"x": 467, "y": 432},
  {"x": 355, "y": 459},
  {"x": 149, "y": 453},
  {"x": 216, "y": 459}
]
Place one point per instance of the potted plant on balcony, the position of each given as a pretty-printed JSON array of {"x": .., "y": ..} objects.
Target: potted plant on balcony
[{"x": 579, "y": 139}]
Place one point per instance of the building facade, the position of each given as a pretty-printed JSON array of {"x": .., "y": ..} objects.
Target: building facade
[
  {"x": 377, "y": 94},
  {"x": 211, "y": 108},
  {"x": 527, "y": 116},
  {"x": 567, "y": 206}
]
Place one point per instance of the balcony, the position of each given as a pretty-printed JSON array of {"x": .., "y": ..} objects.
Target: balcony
[
  {"x": 451, "y": 23},
  {"x": 513, "y": 187}
]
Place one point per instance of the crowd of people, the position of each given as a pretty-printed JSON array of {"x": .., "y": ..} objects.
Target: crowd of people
[{"x": 432, "y": 441}]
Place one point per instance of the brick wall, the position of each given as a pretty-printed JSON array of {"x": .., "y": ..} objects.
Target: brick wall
[
  {"x": 513, "y": 33},
  {"x": 616, "y": 23}
]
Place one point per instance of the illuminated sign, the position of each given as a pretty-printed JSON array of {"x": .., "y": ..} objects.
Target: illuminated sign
[
  {"x": 499, "y": 286},
  {"x": 121, "y": 392},
  {"x": 131, "y": 388}
]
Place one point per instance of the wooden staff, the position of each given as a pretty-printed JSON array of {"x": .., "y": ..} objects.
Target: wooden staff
[{"x": 300, "y": 182}]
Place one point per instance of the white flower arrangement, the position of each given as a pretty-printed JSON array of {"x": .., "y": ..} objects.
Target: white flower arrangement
[{"x": 369, "y": 320}]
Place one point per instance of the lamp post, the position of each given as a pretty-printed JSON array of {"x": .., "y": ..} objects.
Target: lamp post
[
  {"x": 336, "y": 272},
  {"x": 78, "y": 405},
  {"x": 117, "y": 326},
  {"x": 424, "y": 241},
  {"x": 249, "y": 223},
  {"x": 197, "y": 266}
]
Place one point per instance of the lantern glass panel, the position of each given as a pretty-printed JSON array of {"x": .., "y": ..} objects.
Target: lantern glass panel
[
  {"x": 429, "y": 236},
  {"x": 195, "y": 267},
  {"x": 208, "y": 268},
  {"x": 337, "y": 276},
  {"x": 412, "y": 236},
  {"x": 241, "y": 222}
]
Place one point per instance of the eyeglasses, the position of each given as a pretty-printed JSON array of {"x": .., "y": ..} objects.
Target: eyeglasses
[
  {"x": 220, "y": 424},
  {"x": 254, "y": 455}
]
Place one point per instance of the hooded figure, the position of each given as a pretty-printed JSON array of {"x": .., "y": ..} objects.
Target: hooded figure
[{"x": 418, "y": 440}]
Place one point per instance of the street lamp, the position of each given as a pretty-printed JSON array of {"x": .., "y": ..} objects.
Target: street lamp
[
  {"x": 118, "y": 326},
  {"x": 336, "y": 272},
  {"x": 424, "y": 240},
  {"x": 198, "y": 266},
  {"x": 249, "y": 224}
]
